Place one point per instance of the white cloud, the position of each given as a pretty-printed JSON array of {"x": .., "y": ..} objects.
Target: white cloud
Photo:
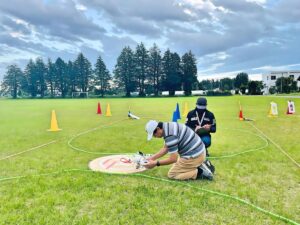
[
  {"x": 14, "y": 55},
  {"x": 19, "y": 21},
  {"x": 261, "y": 2},
  {"x": 201, "y": 4},
  {"x": 16, "y": 34},
  {"x": 211, "y": 68},
  {"x": 226, "y": 36},
  {"x": 274, "y": 68},
  {"x": 80, "y": 7}
]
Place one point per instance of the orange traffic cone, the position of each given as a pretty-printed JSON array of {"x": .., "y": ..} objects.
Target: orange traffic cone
[
  {"x": 241, "y": 113},
  {"x": 54, "y": 125}
]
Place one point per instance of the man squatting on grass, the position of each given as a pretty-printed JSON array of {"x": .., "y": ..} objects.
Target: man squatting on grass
[
  {"x": 202, "y": 121},
  {"x": 183, "y": 141}
]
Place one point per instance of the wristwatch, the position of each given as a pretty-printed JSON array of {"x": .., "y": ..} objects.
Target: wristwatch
[{"x": 157, "y": 163}]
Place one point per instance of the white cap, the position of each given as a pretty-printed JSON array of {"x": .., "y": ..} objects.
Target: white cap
[{"x": 150, "y": 127}]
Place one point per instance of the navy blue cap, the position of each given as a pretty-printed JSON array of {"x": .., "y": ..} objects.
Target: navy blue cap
[{"x": 201, "y": 101}]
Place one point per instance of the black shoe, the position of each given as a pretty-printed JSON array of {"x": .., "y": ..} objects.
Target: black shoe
[
  {"x": 210, "y": 166},
  {"x": 207, "y": 153},
  {"x": 199, "y": 174},
  {"x": 204, "y": 172}
]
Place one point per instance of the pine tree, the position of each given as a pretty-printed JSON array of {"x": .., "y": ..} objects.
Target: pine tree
[
  {"x": 31, "y": 77},
  {"x": 189, "y": 69},
  {"x": 61, "y": 81},
  {"x": 72, "y": 78},
  {"x": 172, "y": 72},
  {"x": 50, "y": 77},
  {"x": 102, "y": 76},
  {"x": 83, "y": 70},
  {"x": 41, "y": 72},
  {"x": 141, "y": 60},
  {"x": 124, "y": 71},
  {"x": 155, "y": 69},
  {"x": 12, "y": 81}
]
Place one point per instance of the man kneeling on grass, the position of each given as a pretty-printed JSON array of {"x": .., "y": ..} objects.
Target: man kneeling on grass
[{"x": 183, "y": 141}]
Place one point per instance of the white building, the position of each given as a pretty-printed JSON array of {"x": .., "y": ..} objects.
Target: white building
[{"x": 269, "y": 79}]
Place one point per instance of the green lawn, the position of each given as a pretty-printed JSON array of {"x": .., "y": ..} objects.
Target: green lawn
[
  {"x": 264, "y": 177},
  {"x": 291, "y": 94}
]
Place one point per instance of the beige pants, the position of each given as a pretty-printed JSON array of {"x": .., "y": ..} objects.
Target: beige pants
[{"x": 185, "y": 169}]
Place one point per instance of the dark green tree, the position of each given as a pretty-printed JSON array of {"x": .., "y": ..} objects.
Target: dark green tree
[
  {"x": 205, "y": 85},
  {"x": 12, "y": 81},
  {"x": 83, "y": 70},
  {"x": 72, "y": 77},
  {"x": 41, "y": 73},
  {"x": 124, "y": 71},
  {"x": 61, "y": 81},
  {"x": 286, "y": 85},
  {"x": 189, "y": 69},
  {"x": 141, "y": 61},
  {"x": 172, "y": 74},
  {"x": 102, "y": 76},
  {"x": 50, "y": 77},
  {"x": 255, "y": 87},
  {"x": 241, "y": 82},
  {"x": 155, "y": 69},
  {"x": 226, "y": 84},
  {"x": 31, "y": 77}
]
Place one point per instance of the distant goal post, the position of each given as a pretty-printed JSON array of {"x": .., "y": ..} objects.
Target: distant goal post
[{"x": 80, "y": 94}]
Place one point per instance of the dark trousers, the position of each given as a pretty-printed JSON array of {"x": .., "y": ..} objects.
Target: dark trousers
[{"x": 207, "y": 142}]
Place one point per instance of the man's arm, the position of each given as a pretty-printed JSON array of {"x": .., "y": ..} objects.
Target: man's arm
[
  {"x": 210, "y": 128},
  {"x": 213, "y": 127},
  {"x": 188, "y": 121},
  {"x": 172, "y": 159},
  {"x": 159, "y": 154}
]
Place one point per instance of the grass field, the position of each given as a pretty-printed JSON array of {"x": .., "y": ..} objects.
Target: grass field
[{"x": 264, "y": 176}]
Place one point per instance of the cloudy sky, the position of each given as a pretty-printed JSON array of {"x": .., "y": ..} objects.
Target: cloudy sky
[{"x": 226, "y": 36}]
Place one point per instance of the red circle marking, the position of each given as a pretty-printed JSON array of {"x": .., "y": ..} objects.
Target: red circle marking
[{"x": 124, "y": 160}]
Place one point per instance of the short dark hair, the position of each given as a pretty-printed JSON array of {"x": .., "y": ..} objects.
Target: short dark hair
[{"x": 159, "y": 125}]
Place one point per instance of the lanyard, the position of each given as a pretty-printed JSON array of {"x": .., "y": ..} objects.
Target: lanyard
[{"x": 201, "y": 118}]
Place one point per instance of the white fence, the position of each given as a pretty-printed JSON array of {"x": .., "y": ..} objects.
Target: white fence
[{"x": 181, "y": 93}]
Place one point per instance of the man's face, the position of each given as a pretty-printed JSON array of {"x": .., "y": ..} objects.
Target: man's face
[{"x": 158, "y": 133}]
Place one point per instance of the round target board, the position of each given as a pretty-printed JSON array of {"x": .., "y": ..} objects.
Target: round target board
[{"x": 121, "y": 164}]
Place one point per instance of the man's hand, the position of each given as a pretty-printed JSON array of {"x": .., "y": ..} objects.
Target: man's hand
[
  {"x": 150, "y": 164},
  {"x": 197, "y": 128},
  {"x": 207, "y": 127}
]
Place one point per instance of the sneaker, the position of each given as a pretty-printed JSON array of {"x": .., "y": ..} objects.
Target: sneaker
[
  {"x": 210, "y": 166},
  {"x": 200, "y": 174},
  {"x": 206, "y": 173}
]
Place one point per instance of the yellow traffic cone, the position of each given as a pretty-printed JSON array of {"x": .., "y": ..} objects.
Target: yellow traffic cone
[
  {"x": 108, "y": 112},
  {"x": 270, "y": 113},
  {"x": 273, "y": 110},
  {"x": 54, "y": 125},
  {"x": 185, "y": 110}
]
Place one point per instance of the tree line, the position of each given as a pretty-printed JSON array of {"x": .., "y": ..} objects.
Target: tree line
[
  {"x": 140, "y": 70},
  {"x": 241, "y": 84}
]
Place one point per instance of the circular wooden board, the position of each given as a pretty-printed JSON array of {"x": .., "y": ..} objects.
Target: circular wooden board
[{"x": 120, "y": 164}]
